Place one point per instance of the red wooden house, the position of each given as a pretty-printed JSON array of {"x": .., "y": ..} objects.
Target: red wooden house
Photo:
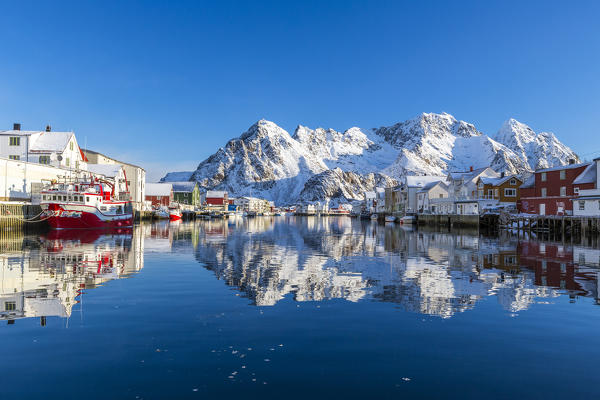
[
  {"x": 551, "y": 191},
  {"x": 159, "y": 194}
]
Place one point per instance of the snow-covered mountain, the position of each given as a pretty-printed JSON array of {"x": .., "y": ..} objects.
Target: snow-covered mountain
[{"x": 314, "y": 164}]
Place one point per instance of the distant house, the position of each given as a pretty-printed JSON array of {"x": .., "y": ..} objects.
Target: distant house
[
  {"x": 498, "y": 192},
  {"x": 186, "y": 193},
  {"x": 159, "y": 194},
  {"x": 587, "y": 202},
  {"x": 216, "y": 200},
  {"x": 403, "y": 198},
  {"x": 59, "y": 149},
  {"x": 551, "y": 191},
  {"x": 463, "y": 185}
]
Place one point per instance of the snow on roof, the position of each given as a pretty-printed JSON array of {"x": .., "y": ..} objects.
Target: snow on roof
[
  {"x": 420, "y": 181},
  {"x": 589, "y": 175},
  {"x": 529, "y": 183},
  {"x": 370, "y": 195},
  {"x": 158, "y": 189},
  {"x": 486, "y": 180},
  {"x": 561, "y": 167},
  {"x": 469, "y": 175},
  {"x": 183, "y": 186},
  {"x": 51, "y": 141},
  {"x": 108, "y": 170},
  {"x": 431, "y": 185},
  {"x": 219, "y": 194}
]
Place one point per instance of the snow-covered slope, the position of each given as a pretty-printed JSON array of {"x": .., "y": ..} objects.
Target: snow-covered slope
[
  {"x": 541, "y": 150},
  {"x": 312, "y": 164}
]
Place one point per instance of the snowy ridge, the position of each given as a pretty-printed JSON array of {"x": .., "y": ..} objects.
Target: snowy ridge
[{"x": 314, "y": 164}]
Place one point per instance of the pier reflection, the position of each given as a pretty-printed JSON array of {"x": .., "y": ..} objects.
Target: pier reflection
[
  {"x": 428, "y": 272},
  {"x": 45, "y": 276}
]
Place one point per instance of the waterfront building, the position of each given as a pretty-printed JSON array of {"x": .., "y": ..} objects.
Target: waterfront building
[
  {"x": 498, "y": 192},
  {"x": 551, "y": 191},
  {"x": 433, "y": 199},
  {"x": 187, "y": 193},
  {"x": 251, "y": 204},
  {"x": 370, "y": 202},
  {"x": 159, "y": 194},
  {"x": 403, "y": 198},
  {"x": 135, "y": 175},
  {"x": 215, "y": 200},
  {"x": 59, "y": 149},
  {"x": 587, "y": 203}
]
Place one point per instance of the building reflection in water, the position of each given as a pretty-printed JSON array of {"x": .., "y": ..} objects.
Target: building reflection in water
[
  {"x": 307, "y": 259},
  {"x": 427, "y": 272},
  {"x": 46, "y": 276}
]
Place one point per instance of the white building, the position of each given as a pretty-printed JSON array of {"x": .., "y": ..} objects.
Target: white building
[
  {"x": 587, "y": 203},
  {"x": 433, "y": 199},
  {"x": 135, "y": 176},
  {"x": 59, "y": 149}
]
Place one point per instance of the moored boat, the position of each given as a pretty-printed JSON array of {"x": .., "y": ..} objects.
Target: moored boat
[
  {"x": 408, "y": 220},
  {"x": 174, "y": 214},
  {"x": 84, "y": 204},
  {"x": 374, "y": 217},
  {"x": 390, "y": 218}
]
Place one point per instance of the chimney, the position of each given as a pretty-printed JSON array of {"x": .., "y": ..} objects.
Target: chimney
[
  {"x": 571, "y": 161},
  {"x": 16, "y": 126},
  {"x": 48, "y": 128},
  {"x": 502, "y": 175},
  {"x": 471, "y": 168}
]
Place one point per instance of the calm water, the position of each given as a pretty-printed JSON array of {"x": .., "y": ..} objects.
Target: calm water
[{"x": 296, "y": 308}]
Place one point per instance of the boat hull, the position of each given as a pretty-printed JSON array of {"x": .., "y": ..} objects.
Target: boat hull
[
  {"x": 61, "y": 218},
  {"x": 174, "y": 217}
]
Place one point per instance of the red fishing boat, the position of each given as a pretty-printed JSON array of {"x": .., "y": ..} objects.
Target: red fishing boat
[
  {"x": 83, "y": 204},
  {"x": 174, "y": 214}
]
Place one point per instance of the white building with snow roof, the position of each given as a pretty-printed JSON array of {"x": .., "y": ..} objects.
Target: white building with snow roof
[
  {"x": 59, "y": 149},
  {"x": 587, "y": 203}
]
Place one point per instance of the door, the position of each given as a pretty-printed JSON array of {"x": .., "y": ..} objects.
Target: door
[{"x": 542, "y": 209}]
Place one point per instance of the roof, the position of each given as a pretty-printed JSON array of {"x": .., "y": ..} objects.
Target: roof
[
  {"x": 431, "y": 185},
  {"x": 216, "y": 194},
  {"x": 115, "y": 160},
  {"x": 421, "y": 181},
  {"x": 184, "y": 186},
  {"x": 158, "y": 189},
  {"x": 529, "y": 183},
  {"x": 470, "y": 175},
  {"x": 108, "y": 170},
  {"x": 51, "y": 141},
  {"x": 589, "y": 175},
  {"x": 497, "y": 181},
  {"x": 561, "y": 167}
]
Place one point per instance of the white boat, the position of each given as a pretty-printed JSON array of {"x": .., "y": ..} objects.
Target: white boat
[
  {"x": 408, "y": 220},
  {"x": 374, "y": 217},
  {"x": 161, "y": 213},
  {"x": 390, "y": 218}
]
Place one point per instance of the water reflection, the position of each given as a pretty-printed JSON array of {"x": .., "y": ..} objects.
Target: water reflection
[
  {"x": 434, "y": 273},
  {"x": 306, "y": 259},
  {"x": 47, "y": 275}
]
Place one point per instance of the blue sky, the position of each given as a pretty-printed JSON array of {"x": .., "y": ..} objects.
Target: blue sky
[{"x": 165, "y": 84}]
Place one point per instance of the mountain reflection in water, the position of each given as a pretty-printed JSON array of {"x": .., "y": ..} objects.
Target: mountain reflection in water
[
  {"x": 308, "y": 259},
  {"x": 432, "y": 273}
]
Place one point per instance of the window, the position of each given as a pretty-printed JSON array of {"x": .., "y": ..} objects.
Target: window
[
  {"x": 76, "y": 164},
  {"x": 496, "y": 192},
  {"x": 544, "y": 192},
  {"x": 15, "y": 141},
  {"x": 581, "y": 205},
  {"x": 12, "y": 157},
  {"x": 87, "y": 198},
  {"x": 563, "y": 174},
  {"x": 68, "y": 163},
  {"x": 54, "y": 198},
  {"x": 513, "y": 182},
  {"x": 576, "y": 190},
  {"x": 543, "y": 177},
  {"x": 441, "y": 195},
  {"x": 508, "y": 192},
  {"x": 71, "y": 145},
  {"x": 10, "y": 306},
  {"x": 44, "y": 160},
  {"x": 563, "y": 191}
]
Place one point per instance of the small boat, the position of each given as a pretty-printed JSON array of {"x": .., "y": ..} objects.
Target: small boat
[
  {"x": 84, "y": 203},
  {"x": 160, "y": 213},
  {"x": 374, "y": 217},
  {"x": 408, "y": 220},
  {"x": 174, "y": 214},
  {"x": 390, "y": 218}
]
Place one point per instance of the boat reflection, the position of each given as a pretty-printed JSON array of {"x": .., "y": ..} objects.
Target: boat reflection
[
  {"x": 433, "y": 273},
  {"x": 46, "y": 276}
]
